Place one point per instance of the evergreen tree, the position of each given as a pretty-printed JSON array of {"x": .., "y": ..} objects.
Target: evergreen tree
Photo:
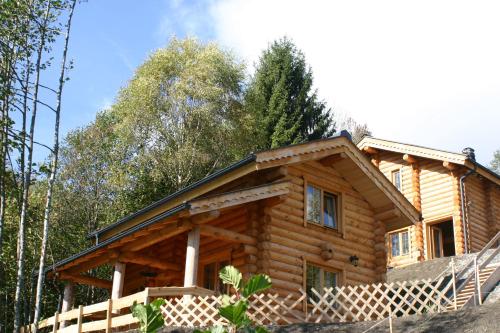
[{"x": 280, "y": 96}]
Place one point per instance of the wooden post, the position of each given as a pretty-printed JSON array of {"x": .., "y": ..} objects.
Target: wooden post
[
  {"x": 109, "y": 315},
  {"x": 475, "y": 281},
  {"x": 192, "y": 254},
  {"x": 68, "y": 299},
  {"x": 80, "y": 319},
  {"x": 118, "y": 278},
  {"x": 390, "y": 319},
  {"x": 478, "y": 282},
  {"x": 56, "y": 321},
  {"x": 453, "y": 276}
]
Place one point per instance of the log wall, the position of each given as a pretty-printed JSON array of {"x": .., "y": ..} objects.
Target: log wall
[
  {"x": 440, "y": 200},
  {"x": 286, "y": 243},
  {"x": 480, "y": 200}
]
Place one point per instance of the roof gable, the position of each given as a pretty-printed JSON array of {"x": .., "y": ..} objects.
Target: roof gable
[
  {"x": 313, "y": 150},
  {"x": 429, "y": 153}
]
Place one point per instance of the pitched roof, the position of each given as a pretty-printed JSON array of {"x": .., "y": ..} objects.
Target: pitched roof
[
  {"x": 316, "y": 149},
  {"x": 196, "y": 200},
  {"x": 430, "y": 153}
]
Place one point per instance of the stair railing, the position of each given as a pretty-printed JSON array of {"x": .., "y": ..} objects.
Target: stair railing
[{"x": 473, "y": 264}]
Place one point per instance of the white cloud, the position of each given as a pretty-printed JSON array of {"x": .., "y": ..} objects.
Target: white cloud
[{"x": 424, "y": 72}]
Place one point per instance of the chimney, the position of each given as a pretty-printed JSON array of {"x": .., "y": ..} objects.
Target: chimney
[{"x": 469, "y": 152}]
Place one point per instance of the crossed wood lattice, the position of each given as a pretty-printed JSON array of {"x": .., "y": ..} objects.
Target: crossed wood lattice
[{"x": 340, "y": 304}]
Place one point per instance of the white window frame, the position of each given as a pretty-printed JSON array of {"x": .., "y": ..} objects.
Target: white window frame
[
  {"x": 338, "y": 202},
  {"x": 400, "y": 172},
  {"x": 400, "y": 237}
]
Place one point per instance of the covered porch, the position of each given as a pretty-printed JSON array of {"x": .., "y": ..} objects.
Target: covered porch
[{"x": 183, "y": 247}]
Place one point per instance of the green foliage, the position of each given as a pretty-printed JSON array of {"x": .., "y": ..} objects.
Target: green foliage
[
  {"x": 232, "y": 276},
  {"x": 236, "y": 311},
  {"x": 179, "y": 118},
  {"x": 149, "y": 315},
  {"x": 280, "y": 96}
]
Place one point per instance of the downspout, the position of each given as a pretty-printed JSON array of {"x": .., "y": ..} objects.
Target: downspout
[{"x": 470, "y": 155}]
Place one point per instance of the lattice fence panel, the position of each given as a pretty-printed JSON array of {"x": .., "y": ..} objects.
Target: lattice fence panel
[
  {"x": 341, "y": 304},
  {"x": 378, "y": 301},
  {"x": 202, "y": 311}
]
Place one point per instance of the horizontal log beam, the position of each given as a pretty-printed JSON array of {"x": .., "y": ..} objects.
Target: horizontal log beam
[
  {"x": 86, "y": 280},
  {"x": 388, "y": 215},
  {"x": 88, "y": 265},
  {"x": 158, "y": 236},
  {"x": 448, "y": 165},
  {"x": 140, "y": 259},
  {"x": 228, "y": 235},
  {"x": 370, "y": 150},
  {"x": 410, "y": 159},
  {"x": 332, "y": 159}
]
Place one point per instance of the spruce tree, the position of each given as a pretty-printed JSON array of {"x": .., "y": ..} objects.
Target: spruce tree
[{"x": 281, "y": 97}]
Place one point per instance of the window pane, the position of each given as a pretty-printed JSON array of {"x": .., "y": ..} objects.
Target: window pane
[
  {"x": 330, "y": 279},
  {"x": 313, "y": 281},
  {"x": 209, "y": 276},
  {"x": 330, "y": 213},
  {"x": 405, "y": 243},
  {"x": 396, "y": 179},
  {"x": 313, "y": 204},
  {"x": 395, "y": 245}
]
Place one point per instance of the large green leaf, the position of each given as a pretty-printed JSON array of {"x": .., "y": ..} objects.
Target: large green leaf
[
  {"x": 231, "y": 275},
  {"x": 149, "y": 316},
  {"x": 156, "y": 304},
  {"x": 235, "y": 313},
  {"x": 256, "y": 284}
]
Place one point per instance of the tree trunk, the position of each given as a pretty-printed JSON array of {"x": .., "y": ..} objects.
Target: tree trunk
[
  {"x": 52, "y": 177},
  {"x": 27, "y": 179}
]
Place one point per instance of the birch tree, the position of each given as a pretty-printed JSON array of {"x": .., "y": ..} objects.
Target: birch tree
[
  {"x": 29, "y": 163},
  {"x": 53, "y": 172}
]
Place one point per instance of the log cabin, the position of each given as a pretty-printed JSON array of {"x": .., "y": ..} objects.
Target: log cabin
[
  {"x": 308, "y": 215},
  {"x": 459, "y": 200}
]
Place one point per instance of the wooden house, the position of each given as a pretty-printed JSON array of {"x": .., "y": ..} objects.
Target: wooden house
[
  {"x": 459, "y": 199},
  {"x": 308, "y": 215}
]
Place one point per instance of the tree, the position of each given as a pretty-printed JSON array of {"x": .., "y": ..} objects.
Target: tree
[
  {"x": 179, "y": 119},
  {"x": 357, "y": 130},
  {"x": 281, "y": 97},
  {"x": 495, "y": 162},
  {"x": 52, "y": 176}
]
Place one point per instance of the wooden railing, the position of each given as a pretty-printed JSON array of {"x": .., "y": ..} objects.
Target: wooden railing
[
  {"x": 110, "y": 314},
  {"x": 475, "y": 266},
  {"x": 340, "y": 304}
]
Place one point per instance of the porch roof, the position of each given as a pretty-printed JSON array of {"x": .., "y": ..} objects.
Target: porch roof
[{"x": 166, "y": 225}]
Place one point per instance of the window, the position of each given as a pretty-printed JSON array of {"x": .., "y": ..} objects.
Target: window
[
  {"x": 319, "y": 278},
  {"x": 396, "y": 179},
  {"x": 400, "y": 243},
  {"x": 211, "y": 276},
  {"x": 322, "y": 207}
]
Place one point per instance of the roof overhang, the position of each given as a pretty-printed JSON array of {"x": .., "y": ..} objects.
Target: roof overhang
[
  {"x": 390, "y": 205},
  {"x": 429, "y": 153},
  {"x": 169, "y": 224}
]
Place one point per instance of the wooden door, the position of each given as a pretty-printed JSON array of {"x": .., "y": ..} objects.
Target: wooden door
[{"x": 436, "y": 242}]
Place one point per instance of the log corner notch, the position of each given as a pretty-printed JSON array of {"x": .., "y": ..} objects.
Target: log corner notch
[{"x": 417, "y": 202}]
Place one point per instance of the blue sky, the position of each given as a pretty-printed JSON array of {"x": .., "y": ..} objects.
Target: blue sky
[
  {"x": 109, "y": 39},
  {"x": 422, "y": 72}
]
